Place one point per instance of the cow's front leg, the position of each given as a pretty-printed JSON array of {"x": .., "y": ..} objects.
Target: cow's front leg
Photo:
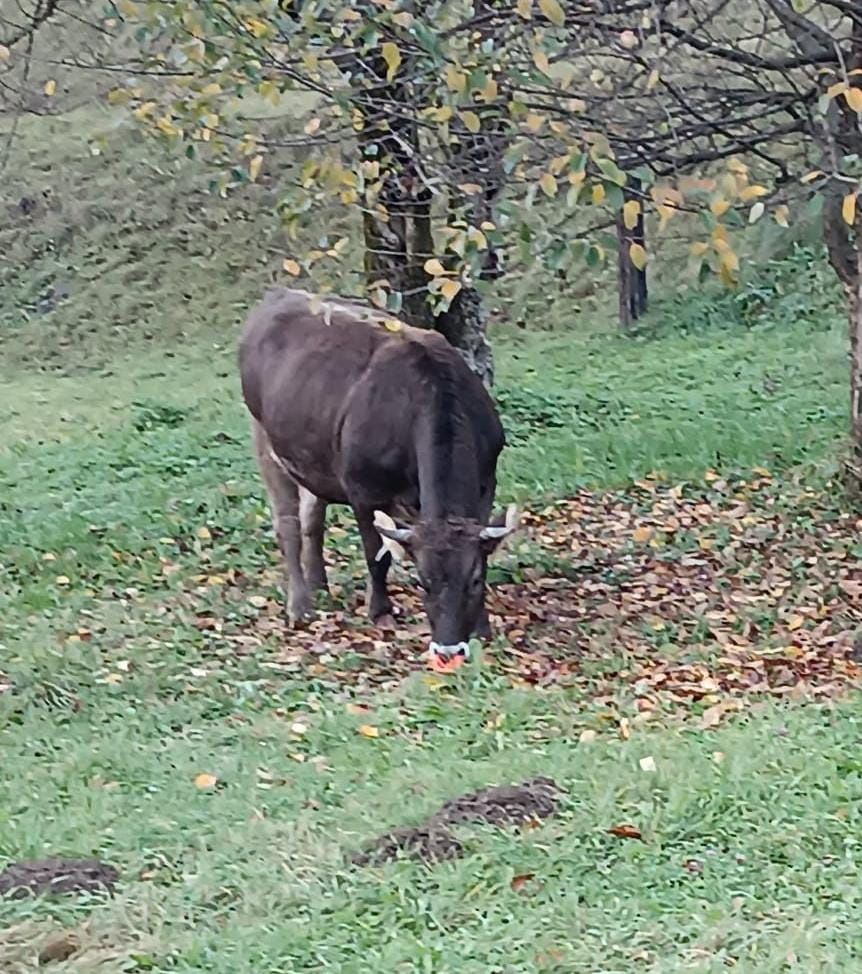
[{"x": 377, "y": 601}]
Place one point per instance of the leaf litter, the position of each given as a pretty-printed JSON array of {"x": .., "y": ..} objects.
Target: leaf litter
[{"x": 672, "y": 596}]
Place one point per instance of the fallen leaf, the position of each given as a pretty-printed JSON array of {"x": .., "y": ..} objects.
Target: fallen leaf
[
  {"x": 258, "y": 601},
  {"x": 626, "y": 831},
  {"x": 205, "y": 781},
  {"x": 642, "y": 534},
  {"x": 648, "y": 764},
  {"x": 712, "y": 716},
  {"x": 62, "y": 580},
  {"x": 587, "y": 736},
  {"x": 520, "y": 881},
  {"x": 367, "y": 730}
]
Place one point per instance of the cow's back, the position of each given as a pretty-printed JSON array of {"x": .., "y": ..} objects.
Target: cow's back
[{"x": 335, "y": 388}]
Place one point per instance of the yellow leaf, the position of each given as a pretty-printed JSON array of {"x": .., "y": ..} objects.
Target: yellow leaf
[
  {"x": 834, "y": 90},
  {"x": 403, "y": 18},
  {"x": 719, "y": 207},
  {"x": 205, "y": 781},
  {"x": 647, "y": 764},
  {"x": 642, "y": 534},
  {"x": 203, "y": 533},
  {"x": 5, "y": 53},
  {"x": 449, "y": 288},
  {"x": 470, "y": 189},
  {"x": 854, "y": 98},
  {"x": 256, "y": 27},
  {"x": 782, "y": 214},
  {"x": 540, "y": 59},
  {"x": 367, "y": 730},
  {"x": 587, "y": 736},
  {"x": 213, "y": 88},
  {"x": 490, "y": 91},
  {"x": 254, "y": 167},
  {"x": 392, "y": 324},
  {"x": 848, "y": 209},
  {"x": 809, "y": 177},
  {"x": 392, "y": 57},
  {"x": 525, "y": 9},
  {"x": 737, "y": 166},
  {"x": 548, "y": 184},
  {"x": 795, "y": 622},
  {"x": 50, "y": 87},
  {"x": 434, "y": 267},
  {"x": 62, "y": 580},
  {"x": 311, "y": 126},
  {"x": 471, "y": 121},
  {"x": 553, "y": 11},
  {"x": 638, "y": 256},
  {"x": 534, "y": 122},
  {"x": 291, "y": 267},
  {"x": 456, "y": 80},
  {"x": 631, "y": 212},
  {"x": 598, "y": 193},
  {"x": 653, "y": 79},
  {"x": 752, "y": 193}
]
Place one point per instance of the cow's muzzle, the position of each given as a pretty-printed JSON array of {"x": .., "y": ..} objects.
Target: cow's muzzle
[{"x": 449, "y": 652}]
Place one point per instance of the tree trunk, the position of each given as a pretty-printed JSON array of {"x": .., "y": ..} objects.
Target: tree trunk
[
  {"x": 854, "y": 294},
  {"x": 631, "y": 280},
  {"x": 464, "y": 325}
]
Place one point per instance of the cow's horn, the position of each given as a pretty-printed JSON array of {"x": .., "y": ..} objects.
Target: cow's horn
[
  {"x": 497, "y": 533},
  {"x": 391, "y": 535}
]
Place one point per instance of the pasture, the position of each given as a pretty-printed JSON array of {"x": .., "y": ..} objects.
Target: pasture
[{"x": 675, "y": 633}]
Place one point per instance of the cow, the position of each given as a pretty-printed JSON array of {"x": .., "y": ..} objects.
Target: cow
[{"x": 351, "y": 406}]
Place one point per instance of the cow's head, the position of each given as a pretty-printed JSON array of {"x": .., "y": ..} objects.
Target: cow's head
[{"x": 451, "y": 558}]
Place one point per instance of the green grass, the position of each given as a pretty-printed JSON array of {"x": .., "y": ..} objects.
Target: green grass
[{"x": 124, "y": 437}]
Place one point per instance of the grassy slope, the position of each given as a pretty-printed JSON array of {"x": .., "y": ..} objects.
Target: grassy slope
[{"x": 115, "y": 466}]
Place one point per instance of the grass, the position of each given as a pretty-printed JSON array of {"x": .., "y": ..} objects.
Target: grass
[{"x": 129, "y": 502}]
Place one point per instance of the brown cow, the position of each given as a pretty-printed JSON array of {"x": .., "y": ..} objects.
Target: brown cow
[{"x": 352, "y": 407}]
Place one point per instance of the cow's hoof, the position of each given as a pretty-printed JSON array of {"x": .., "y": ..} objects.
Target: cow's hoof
[{"x": 385, "y": 622}]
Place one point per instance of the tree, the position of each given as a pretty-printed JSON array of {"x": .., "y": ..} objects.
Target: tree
[{"x": 480, "y": 137}]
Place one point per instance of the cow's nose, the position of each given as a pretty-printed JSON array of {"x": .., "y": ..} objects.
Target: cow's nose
[{"x": 447, "y": 652}]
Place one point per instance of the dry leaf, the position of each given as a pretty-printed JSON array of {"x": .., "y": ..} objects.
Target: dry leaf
[
  {"x": 642, "y": 534},
  {"x": 291, "y": 267},
  {"x": 648, "y": 764},
  {"x": 587, "y": 736},
  {"x": 50, "y": 87},
  {"x": 626, "y": 831},
  {"x": 205, "y": 781},
  {"x": 520, "y": 881},
  {"x": 367, "y": 730}
]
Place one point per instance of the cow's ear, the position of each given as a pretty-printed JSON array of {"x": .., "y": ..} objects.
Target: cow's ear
[
  {"x": 394, "y": 538},
  {"x": 495, "y": 533}
]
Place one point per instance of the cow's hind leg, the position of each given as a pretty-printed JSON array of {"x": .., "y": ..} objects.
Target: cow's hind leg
[
  {"x": 312, "y": 513},
  {"x": 377, "y": 600},
  {"x": 283, "y": 493}
]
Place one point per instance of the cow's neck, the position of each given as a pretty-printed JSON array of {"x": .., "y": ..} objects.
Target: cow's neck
[{"x": 446, "y": 461}]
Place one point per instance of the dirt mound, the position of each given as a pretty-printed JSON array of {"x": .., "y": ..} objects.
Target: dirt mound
[
  {"x": 50, "y": 877},
  {"x": 433, "y": 841},
  {"x": 504, "y": 804}
]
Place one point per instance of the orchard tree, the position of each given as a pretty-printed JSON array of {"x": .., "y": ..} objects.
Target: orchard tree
[{"x": 479, "y": 137}]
